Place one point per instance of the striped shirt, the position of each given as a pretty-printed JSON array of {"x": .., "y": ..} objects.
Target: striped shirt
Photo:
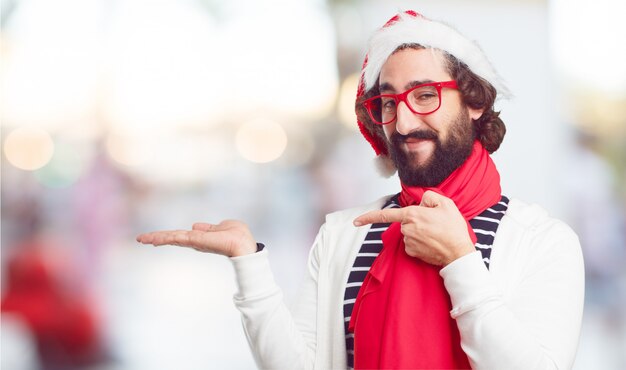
[{"x": 485, "y": 226}]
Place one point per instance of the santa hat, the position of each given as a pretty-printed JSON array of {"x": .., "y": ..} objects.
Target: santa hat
[{"x": 411, "y": 27}]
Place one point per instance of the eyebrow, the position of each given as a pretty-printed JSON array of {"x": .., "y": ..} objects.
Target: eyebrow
[{"x": 387, "y": 87}]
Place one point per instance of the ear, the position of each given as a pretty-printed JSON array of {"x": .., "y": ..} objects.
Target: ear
[{"x": 475, "y": 113}]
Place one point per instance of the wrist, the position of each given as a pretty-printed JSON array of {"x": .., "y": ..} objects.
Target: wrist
[
  {"x": 249, "y": 248},
  {"x": 457, "y": 253}
]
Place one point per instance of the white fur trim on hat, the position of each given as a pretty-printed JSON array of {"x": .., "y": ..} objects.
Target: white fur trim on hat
[{"x": 428, "y": 33}]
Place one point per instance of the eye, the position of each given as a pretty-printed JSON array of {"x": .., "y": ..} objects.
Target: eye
[
  {"x": 388, "y": 105},
  {"x": 423, "y": 96}
]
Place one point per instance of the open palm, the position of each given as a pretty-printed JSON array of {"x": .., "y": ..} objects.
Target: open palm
[{"x": 230, "y": 238}]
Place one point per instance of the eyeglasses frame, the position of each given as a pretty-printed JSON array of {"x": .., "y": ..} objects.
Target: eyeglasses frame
[{"x": 368, "y": 104}]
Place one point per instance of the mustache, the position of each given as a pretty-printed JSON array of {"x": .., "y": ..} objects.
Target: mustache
[{"x": 396, "y": 137}]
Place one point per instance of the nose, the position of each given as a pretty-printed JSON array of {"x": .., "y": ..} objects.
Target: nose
[{"x": 406, "y": 121}]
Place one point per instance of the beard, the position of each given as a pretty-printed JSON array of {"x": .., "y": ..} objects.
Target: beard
[{"x": 447, "y": 156}]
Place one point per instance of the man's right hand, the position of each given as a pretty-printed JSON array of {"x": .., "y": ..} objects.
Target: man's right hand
[{"x": 230, "y": 238}]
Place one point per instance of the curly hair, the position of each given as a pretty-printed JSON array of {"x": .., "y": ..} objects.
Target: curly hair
[{"x": 475, "y": 91}]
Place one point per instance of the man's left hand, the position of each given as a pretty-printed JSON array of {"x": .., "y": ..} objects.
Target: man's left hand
[{"x": 435, "y": 231}]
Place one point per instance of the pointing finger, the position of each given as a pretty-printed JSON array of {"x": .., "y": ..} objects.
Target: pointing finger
[{"x": 380, "y": 216}]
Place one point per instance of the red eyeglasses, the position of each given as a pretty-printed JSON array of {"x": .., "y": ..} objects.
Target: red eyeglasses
[{"x": 421, "y": 99}]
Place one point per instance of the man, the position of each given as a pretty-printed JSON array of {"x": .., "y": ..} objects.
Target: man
[{"x": 449, "y": 273}]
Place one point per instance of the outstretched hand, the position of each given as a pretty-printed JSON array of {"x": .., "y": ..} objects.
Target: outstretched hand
[
  {"x": 229, "y": 238},
  {"x": 435, "y": 231}
]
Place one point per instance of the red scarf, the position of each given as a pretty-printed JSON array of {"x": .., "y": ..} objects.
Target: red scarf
[{"x": 401, "y": 315}]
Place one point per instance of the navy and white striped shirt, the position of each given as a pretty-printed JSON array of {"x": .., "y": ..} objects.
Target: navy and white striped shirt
[{"x": 485, "y": 226}]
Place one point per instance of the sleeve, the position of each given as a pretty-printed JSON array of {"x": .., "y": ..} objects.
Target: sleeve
[
  {"x": 279, "y": 338},
  {"x": 535, "y": 325}
]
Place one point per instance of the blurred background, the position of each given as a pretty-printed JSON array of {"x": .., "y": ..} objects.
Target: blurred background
[{"x": 125, "y": 116}]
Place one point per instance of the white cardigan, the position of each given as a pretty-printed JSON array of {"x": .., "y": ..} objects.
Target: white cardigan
[{"x": 524, "y": 312}]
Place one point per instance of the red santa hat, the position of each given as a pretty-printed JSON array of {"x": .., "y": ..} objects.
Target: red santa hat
[{"x": 411, "y": 27}]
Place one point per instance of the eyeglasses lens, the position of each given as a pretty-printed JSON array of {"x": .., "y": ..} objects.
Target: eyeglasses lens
[{"x": 422, "y": 100}]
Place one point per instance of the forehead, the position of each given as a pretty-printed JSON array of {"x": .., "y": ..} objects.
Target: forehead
[{"x": 410, "y": 65}]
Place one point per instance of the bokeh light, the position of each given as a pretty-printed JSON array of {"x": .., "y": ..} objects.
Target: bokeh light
[
  {"x": 129, "y": 150},
  {"x": 67, "y": 165},
  {"x": 28, "y": 148},
  {"x": 261, "y": 140},
  {"x": 347, "y": 95}
]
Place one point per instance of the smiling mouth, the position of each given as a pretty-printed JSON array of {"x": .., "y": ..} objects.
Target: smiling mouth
[
  {"x": 422, "y": 142},
  {"x": 415, "y": 143},
  {"x": 412, "y": 140}
]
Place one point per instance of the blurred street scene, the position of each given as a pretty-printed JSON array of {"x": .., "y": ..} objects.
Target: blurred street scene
[{"x": 122, "y": 117}]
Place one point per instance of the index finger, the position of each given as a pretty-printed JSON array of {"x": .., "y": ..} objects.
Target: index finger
[{"x": 380, "y": 216}]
